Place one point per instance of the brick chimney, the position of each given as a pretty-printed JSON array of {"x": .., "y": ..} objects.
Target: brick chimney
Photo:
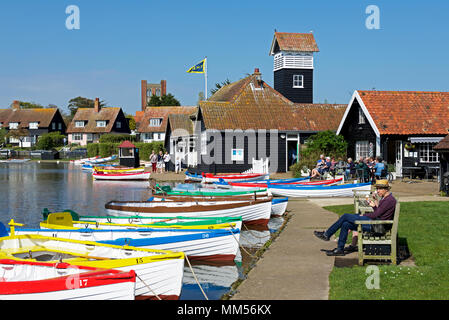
[
  {"x": 16, "y": 105},
  {"x": 258, "y": 77},
  {"x": 143, "y": 93},
  {"x": 163, "y": 87},
  {"x": 97, "y": 107}
]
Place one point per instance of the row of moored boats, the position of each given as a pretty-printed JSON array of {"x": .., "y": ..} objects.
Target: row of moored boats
[{"x": 138, "y": 250}]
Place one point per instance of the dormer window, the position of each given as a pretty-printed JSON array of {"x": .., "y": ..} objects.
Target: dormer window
[
  {"x": 155, "y": 122},
  {"x": 79, "y": 124},
  {"x": 13, "y": 125},
  {"x": 101, "y": 123},
  {"x": 34, "y": 125}
]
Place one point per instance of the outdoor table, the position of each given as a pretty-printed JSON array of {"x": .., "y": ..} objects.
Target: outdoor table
[{"x": 411, "y": 170}]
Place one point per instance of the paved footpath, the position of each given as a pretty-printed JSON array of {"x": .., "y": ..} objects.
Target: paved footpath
[{"x": 294, "y": 267}]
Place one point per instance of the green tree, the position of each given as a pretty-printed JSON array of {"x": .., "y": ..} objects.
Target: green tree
[
  {"x": 165, "y": 100},
  {"x": 50, "y": 140},
  {"x": 81, "y": 102},
  {"x": 131, "y": 122},
  {"x": 19, "y": 134},
  {"x": 3, "y": 134},
  {"x": 324, "y": 142},
  {"x": 218, "y": 86}
]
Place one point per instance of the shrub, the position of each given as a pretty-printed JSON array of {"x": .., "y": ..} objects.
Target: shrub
[
  {"x": 116, "y": 138},
  {"x": 92, "y": 150},
  {"x": 145, "y": 149},
  {"x": 107, "y": 149},
  {"x": 325, "y": 142},
  {"x": 50, "y": 141}
]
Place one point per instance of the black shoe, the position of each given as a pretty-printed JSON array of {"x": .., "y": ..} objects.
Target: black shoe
[
  {"x": 336, "y": 252},
  {"x": 351, "y": 248},
  {"x": 321, "y": 235}
]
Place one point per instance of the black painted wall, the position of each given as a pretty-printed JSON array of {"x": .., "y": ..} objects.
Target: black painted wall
[
  {"x": 283, "y": 83},
  {"x": 352, "y": 131}
]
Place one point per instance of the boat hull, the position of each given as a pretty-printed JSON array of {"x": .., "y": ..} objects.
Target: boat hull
[
  {"x": 159, "y": 273},
  {"x": 253, "y": 212},
  {"x": 216, "y": 244},
  {"x": 121, "y": 176},
  {"x": 319, "y": 191}
]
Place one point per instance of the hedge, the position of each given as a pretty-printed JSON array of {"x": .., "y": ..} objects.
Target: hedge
[
  {"x": 115, "y": 138},
  {"x": 108, "y": 149}
]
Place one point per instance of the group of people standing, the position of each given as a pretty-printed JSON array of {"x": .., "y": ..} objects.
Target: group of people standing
[{"x": 160, "y": 162}]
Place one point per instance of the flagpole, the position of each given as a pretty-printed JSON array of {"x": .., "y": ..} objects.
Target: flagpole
[{"x": 205, "y": 76}]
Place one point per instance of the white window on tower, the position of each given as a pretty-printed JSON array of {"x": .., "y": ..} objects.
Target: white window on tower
[{"x": 298, "y": 81}]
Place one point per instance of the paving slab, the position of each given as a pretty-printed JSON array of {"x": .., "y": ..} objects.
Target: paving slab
[{"x": 293, "y": 268}]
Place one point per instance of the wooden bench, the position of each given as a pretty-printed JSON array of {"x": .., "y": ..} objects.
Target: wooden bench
[
  {"x": 388, "y": 238},
  {"x": 359, "y": 197}
]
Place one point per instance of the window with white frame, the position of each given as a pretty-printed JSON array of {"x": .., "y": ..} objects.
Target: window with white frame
[
  {"x": 53, "y": 125},
  {"x": 118, "y": 124},
  {"x": 34, "y": 125},
  {"x": 77, "y": 136},
  {"x": 362, "y": 149},
  {"x": 89, "y": 137},
  {"x": 155, "y": 122},
  {"x": 426, "y": 153},
  {"x": 298, "y": 81},
  {"x": 79, "y": 124},
  {"x": 101, "y": 123},
  {"x": 13, "y": 125},
  {"x": 361, "y": 117}
]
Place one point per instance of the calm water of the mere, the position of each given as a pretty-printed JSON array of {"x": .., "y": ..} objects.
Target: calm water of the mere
[{"x": 26, "y": 189}]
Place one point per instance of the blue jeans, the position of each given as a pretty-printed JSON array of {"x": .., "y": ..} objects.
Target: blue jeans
[{"x": 345, "y": 223}]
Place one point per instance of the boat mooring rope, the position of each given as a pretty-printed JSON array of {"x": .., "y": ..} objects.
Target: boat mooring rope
[
  {"x": 148, "y": 286},
  {"x": 240, "y": 246},
  {"x": 196, "y": 279}
]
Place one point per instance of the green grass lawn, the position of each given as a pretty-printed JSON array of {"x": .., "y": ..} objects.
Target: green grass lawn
[{"x": 424, "y": 227}]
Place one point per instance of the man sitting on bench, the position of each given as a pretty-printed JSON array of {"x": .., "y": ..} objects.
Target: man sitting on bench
[{"x": 383, "y": 210}]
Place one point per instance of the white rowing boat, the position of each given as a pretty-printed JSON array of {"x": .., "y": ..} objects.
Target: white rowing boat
[
  {"x": 30, "y": 280},
  {"x": 252, "y": 212}
]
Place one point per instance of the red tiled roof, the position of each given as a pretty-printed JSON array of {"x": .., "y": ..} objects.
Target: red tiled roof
[
  {"x": 408, "y": 112},
  {"x": 443, "y": 144},
  {"x": 126, "y": 144},
  {"x": 303, "y": 42},
  {"x": 160, "y": 112}
]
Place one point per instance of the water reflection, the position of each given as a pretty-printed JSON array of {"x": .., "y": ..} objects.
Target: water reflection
[{"x": 26, "y": 189}]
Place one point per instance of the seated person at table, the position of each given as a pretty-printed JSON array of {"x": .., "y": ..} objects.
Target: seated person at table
[
  {"x": 320, "y": 165},
  {"x": 378, "y": 167},
  {"x": 383, "y": 210},
  {"x": 350, "y": 169}
]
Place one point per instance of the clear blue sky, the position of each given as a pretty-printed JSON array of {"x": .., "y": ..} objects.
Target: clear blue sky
[{"x": 121, "y": 43}]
